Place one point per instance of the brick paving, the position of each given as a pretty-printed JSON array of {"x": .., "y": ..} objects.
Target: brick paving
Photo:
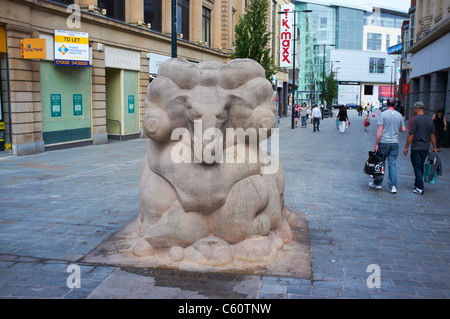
[{"x": 58, "y": 206}]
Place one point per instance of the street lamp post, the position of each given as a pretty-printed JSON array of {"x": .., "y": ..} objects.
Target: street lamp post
[
  {"x": 323, "y": 78},
  {"x": 323, "y": 65},
  {"x": 293, "y": 61},
  {"x": 174, "y": 28},
  {"x": 323, "y": 69}
]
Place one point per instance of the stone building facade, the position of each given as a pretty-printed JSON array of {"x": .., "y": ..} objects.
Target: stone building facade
[
  {"x": 46, "y": 106},
  {"x": 429, "y": 55}
]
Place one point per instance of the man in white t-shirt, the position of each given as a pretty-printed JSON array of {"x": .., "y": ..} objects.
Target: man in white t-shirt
[
  {"x": 390, "y": 123},
  {"x": 316, "y": 115}
]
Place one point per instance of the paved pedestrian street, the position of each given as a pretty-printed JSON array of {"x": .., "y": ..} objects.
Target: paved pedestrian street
[{"x": 57, "y": 206}]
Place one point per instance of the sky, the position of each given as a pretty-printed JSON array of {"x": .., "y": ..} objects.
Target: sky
[{"x": 389, "y": 4}]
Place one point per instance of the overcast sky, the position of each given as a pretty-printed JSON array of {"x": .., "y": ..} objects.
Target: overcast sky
[{"x": 389, "y": 4}]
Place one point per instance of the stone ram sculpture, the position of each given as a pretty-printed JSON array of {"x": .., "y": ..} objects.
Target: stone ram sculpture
[{"x": 208, "y": 201}]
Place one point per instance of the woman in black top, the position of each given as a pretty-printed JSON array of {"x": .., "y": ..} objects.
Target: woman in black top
[
  {"x": 440, "y": 125},
  {"x": 296, "y": 114},
  {"x": 343, "y": 118}
]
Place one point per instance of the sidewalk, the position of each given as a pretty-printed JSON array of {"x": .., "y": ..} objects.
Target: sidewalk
[{"x": 57, "y": 206}]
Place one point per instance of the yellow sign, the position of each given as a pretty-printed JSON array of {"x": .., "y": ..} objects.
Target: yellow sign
[
  {"x": 33, "y": 49},
  {"x": 67, "y": 39},
  {"x": 2, "y": 40}
]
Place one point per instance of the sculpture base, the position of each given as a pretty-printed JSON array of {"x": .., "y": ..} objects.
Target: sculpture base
[{"x": 270, "y": 256}]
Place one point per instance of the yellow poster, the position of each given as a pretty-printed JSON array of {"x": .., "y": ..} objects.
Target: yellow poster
[
  {"x": 2, "y": 40},
  {"x": 33, "y": 48}
]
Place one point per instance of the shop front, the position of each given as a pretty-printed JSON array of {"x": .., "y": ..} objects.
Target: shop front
[
  {"x": 66, "y": 90},
  {"x": 122, "y": 68}
]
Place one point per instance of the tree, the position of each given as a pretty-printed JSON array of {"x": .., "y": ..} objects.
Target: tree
[
  {"x": 331, "y": 91},
  {"x": 252, "y": 37}
]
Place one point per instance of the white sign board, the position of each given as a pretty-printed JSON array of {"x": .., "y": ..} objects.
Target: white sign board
[
  {"x": 122, "y": 59},
  {"x": 155, "y": 61},
  {"x": 71, "y": 48},
  {"x": 287, "y": 36}
]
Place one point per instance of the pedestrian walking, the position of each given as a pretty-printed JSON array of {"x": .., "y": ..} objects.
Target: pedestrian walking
[
  {"x": 308, "y": 113},
  {"x": 343, "y": 118},
  {"x": 421, "y": 133},
  {"x": 316, "y": 115},
  {"x": 390, "y": 124},
  {"x": 399, "y": 108},
  {"x": 303, "y": 115},
  {"x": 360, "y": 110},
  {"x": 296, "y": 114},
  {"x": 367, "y": 123},
  {"x": 440, "y": 125}
]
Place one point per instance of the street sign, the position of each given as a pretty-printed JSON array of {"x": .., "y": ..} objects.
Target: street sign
[
  {"x": 287, "y": 36},
  {"x": 33, "y": 49}
]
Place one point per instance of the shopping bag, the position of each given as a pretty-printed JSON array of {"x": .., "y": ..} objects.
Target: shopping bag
[
  {"x": 426, "y": 175},
  {"x": 374, "y": 165}
]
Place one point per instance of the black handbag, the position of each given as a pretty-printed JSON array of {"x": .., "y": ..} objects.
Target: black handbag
[{"x": 374, "y": 165}]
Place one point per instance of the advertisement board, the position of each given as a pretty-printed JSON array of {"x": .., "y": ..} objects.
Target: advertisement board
[
  {"x": 33, "y": 49},
  {"x": 287, "y": 36},
  {"x": 71, "y": 48}
]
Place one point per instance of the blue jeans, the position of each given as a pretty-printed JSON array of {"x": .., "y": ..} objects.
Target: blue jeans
[
  {"x": 304, "y": 120},
  {"x": 389, "y": 152},
  {"x": 418, "y": 160}
]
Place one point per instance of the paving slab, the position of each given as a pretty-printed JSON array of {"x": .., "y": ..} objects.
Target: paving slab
[{"x": 59, "y": 206}]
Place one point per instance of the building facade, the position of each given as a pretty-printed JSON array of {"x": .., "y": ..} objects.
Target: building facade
[
  {"x": 352, "y": 41},
  {"x": 54, "y": 102},
  {"x": 427, "y": 55}
]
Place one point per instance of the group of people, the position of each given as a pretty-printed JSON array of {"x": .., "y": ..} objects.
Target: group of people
[
  {"x": 304, "y": 112},
  {"x": 423, "y": 131}
]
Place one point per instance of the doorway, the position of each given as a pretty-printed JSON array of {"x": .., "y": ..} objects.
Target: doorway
[{"x": 122, "y": 104}]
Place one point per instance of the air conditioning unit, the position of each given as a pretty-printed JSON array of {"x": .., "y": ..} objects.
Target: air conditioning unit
[
  {"x": 103, "y": 12},
  {"x": 140, "y": 22},
  {"x": 91, "y": 7},
  {"x": 149, "y": 25}
]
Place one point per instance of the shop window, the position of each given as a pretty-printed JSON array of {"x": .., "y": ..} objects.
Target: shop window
[
  {"x": 183, "y": 18},
  {"x": 206, "y": 26},
  {"x": 115, "y": 9},
  {"x": 153, "y": 13}
]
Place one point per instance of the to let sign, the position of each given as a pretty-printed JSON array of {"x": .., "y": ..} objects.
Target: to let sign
[
  {"x": 71, "y": 48},
  {"x": 286, "y": 36}
]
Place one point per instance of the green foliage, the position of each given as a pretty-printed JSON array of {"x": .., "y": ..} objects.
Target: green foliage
[
  {"x": 252, "y": 37},
  {"x": 331, "y": 89}
]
